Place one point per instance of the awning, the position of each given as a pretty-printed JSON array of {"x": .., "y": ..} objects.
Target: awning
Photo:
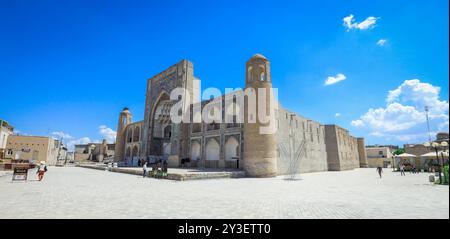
[
  {"x": 405, "y": 155},
  {"x": 433, "y": 154}
]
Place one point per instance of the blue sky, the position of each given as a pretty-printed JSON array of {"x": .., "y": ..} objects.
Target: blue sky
[{"x": 70, "y": 66}]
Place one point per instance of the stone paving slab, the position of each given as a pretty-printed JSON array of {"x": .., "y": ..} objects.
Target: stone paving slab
[
  {"x": 6, "y": 173},
  {"x": 74, "y": 192},
  {"x": 179, "y": 174}
]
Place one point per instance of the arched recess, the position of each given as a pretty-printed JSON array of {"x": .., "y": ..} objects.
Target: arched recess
[
  {"x": 262, "y": 74},
  {"x": 136, "y": 134},
  {"x": 135, "y": 152},
  {"x": 167, "y": 132},
  {"x": 129, "y": 135},
  {"x": 231, "y": 149},
  {"x": 212, "y": 150},
  {"x": 195, "y": 151},
  {"x": 249, "y": 74},
  {"x": 167, "y": 148},
  {"x": 160, "y": 118},
  {"x": 128, "y": 153}
]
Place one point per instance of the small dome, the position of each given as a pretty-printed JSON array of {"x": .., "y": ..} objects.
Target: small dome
[
  {"x": 260, "y": 56},
  {"x": 125, "y": 111}
]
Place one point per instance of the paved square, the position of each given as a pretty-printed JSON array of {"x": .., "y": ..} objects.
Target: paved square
[{"x": 73, "y": 192}]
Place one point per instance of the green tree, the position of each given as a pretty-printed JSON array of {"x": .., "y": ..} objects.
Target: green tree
[{"x": 398, "y": 151}]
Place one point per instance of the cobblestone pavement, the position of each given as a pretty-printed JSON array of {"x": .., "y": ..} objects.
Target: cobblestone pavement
[{"x": 73, "y": 192}]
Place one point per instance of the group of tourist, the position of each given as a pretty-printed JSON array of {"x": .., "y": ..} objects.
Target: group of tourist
[
  {"x": 402, "y": 170},
  {"x": 413, "y": 170},
  {"x": 145, "y": 170}
]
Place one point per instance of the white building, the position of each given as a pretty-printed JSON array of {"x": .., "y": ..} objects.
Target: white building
[{"x": 5, "y": 131}]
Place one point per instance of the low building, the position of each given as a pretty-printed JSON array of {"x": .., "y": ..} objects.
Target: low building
[
  {"x": 420, "y": 149},
  {"x": 379, "y": 156},
  {"x": 5, "y": 130},
  {"x": 32, "y": 148},
  {"x": 391, "y": 147},
  {"x": 417, "y": 149},
  {"x": 96, "y": 152},
  {"x": 441, "y": 136}
]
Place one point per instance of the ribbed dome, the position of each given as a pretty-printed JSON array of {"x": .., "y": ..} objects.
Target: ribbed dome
[{"x": 257, "y": 55}]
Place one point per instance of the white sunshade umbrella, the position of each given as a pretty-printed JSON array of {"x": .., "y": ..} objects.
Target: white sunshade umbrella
[
  {"x": 433, "y": 154},
  {"x": 405, "y": 155}
]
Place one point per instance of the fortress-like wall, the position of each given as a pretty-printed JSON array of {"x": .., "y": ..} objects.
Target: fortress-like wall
[{"x": 294, "y": 129}]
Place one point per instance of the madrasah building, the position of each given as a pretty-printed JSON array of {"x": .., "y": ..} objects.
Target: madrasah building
[{"x": 298, "y": 145}]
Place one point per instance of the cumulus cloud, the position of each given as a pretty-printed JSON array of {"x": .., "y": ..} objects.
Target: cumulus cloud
[
  {"x": 83, "y": 140},
  {"x": 381, "y": 42},
  {"x": 70, "y": 141},
  {"x": 61, "y": 135},
  {"x": 357, "y": 123},
  {"x": 107, "y": 133},
  {"x": 335, "y": 79},
  {"x": 350, "y": 23},
  {"x": 404, "y": 116}
]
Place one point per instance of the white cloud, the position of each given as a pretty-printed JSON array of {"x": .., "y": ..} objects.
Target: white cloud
[
  {"x": 337, "y": 115},
  {"x": 107, "y": 133},
  {"x": 60, "y": 134},
  {"x": 357, "y": 123},
  {"x": 335, "y": 79},
  {"x": 404, "y": 117},
  {"x": 71, "y": 143},
  {"x": 350, "y": 23},
  {"x": 381, "y": 42}
]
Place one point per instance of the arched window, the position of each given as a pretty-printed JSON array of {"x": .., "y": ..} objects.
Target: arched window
[
  {"x": 250, "y": 73},
  {"x": 262, "y": 74}
]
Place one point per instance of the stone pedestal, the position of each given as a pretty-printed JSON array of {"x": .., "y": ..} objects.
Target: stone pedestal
[{"x": 173, "y": 161}]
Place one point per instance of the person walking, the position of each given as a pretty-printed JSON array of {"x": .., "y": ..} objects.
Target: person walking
[
  {"x": 402, "y": 170},
  {"x": 379, "y": 170},
  {"x": 42, "y": 168},
  {"x": 144, "y": 168}
]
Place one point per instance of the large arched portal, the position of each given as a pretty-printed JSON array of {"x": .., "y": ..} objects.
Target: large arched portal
[{"x": 161, "y": 129}]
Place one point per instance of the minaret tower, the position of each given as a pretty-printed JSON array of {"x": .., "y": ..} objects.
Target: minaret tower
[
  {"x": 124, "y": 120},
  {"x": 260, "y": 149}
]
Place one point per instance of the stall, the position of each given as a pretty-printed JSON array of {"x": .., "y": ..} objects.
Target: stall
[
  {"x": 409, "y": 160},
  {"x": 432, "y": 160}
]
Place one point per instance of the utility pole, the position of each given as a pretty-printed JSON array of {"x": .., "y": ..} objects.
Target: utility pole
[
  {"x": 59, "y": 150},
  {"x": 428, "y": 124}
]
